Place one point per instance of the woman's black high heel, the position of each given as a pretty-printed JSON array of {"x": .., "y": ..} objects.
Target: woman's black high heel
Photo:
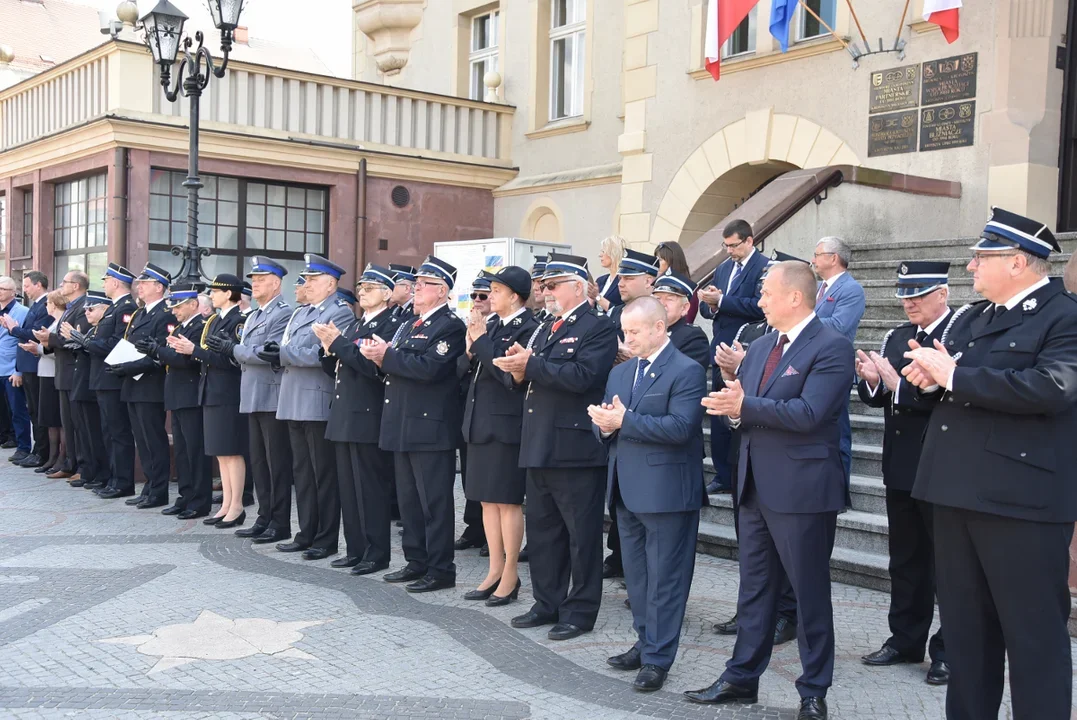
[
  {"x": 498, "y": 600},
  {"x": 239, "y": 519},
  {"x": 213, "y": 520},
  {"x": 482, "y": 594}
]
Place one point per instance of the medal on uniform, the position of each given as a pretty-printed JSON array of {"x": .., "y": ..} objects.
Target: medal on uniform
[{"x": 442, "y": 348}]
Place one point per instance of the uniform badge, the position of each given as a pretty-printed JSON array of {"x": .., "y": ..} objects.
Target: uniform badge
[
  {"x": 1029, "y": 304},
  {"x": 442, "y": 348},
  {"x": 370, "y": 324},
  {"x": 127, "y": 318},
  {"x": 517, "y": 321},
  {"x": 567, "y": 340},
  {"x": 170, "y": 328},
  {"x": 239, "y": 331},
  {"x": 904, "y": 269}
]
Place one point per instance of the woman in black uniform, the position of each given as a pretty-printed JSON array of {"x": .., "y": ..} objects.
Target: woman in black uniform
[
  {"x": 492, "y": 421},
  {"x": 225, "y": 429}
]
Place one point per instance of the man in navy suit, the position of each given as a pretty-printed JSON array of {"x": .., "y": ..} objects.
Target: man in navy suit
[
  {"x": 839, "y": 304},
  {"x": 655, "y": 464},
  {"x": 35, "y": 286},
  {"x": 792, "y": 387},
  {"x": 730, "y": 300}
]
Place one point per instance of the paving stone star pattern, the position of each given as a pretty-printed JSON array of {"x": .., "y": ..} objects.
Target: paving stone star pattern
[{"x": 115, "y": 613}]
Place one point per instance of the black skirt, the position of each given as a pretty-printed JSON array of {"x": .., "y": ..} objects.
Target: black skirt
[
  {"x": 225, "y": 430},
  {"x": 48, "y": 405},
  {"x": 494, "y": 474}
]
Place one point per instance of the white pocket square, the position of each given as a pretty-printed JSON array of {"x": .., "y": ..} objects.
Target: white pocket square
[{"x": 790, "y": 372}]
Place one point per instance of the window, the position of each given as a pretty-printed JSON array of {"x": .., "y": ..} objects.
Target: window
[
  {"x": 238, "y": 219},
  {"x": 568, "y": 21},
  {"x": 80, "y": 226},
  {"x": 743, "y": 38},
  {"x": 807, "y": 26},
  {"x": 483, "y": 55},
  {"x": 27, "y": 246}
]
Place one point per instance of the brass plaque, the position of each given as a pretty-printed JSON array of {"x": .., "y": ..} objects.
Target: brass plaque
[
  {"x": 947, "y": 126},
  {"x": 895, "y": 89},
  {"x": 892, "y": 133},
  {"x": 949, "y": 79}
]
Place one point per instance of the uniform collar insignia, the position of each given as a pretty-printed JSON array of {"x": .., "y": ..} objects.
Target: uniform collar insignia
[
  {"x": 1029, "y": 304},
  {"x": 516, "y": 321}
]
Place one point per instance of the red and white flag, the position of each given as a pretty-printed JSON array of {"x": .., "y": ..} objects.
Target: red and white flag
[
  {"x": 723, "y": 17},
  {"x": 944, "y": 13}
]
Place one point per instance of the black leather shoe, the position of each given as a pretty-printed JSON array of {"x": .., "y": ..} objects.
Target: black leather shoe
[
  {"x": 43, "y": 470},
  {"x": 318, "y": 553},
  {"x": 172, "y": 510},
  {"x": 729, "y": 627},
  {"x": 151, "y": 504},
  {"x": 31, "y": 461},
  {"x": 271, "y": 536},
  {"x": 77, "y": 483},
  {"x": 611, "y": 571},
  {"x": 8, "y": 444},
  {"x": 345, "y": 562},
  {"x": 499, "y": 600},
  {"x": 938, "y": 673},
  {"x": 532, "y": 619},
  {"x": 565, "y": 631},
  {"x": 463, "y": 543},
  {"x": 18, "y": 455},
  {"x": 113, "y": 493},
  {"x": 192, "y": 514},
  {"x": 234, "y": 522},
  {"x": 430, "y": 584},
  {"x": 812, "y": 708},
  {"x": 626, "y": 661},
  {"x": 482, "y": 594},
  {"x": 886, "y": 656},
  {"x": 522, "y": 558},
  {"x": 404, "y": 574},
  {"x": 650, "y": 678},
  {"x": 134, "y": 500},
  {"x": 366, "y": 568},
  {"x": 721, "y": 692},
  {"x": 290, "y": 547},
  {"x": 94, "y": 485},
  {"x": 251, "y": 532},
  {"x": 484, "y": 551},
  {"x": 784, "y": 631},
  {"x": 213, "y": 520}
]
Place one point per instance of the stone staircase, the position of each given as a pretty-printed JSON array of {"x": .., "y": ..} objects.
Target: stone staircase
[{"x": 860, "y": 547}]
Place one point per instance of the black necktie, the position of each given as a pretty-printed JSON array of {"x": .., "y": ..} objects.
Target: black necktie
[
  {"x": 996, "y": 313},
  {"x": 921, "y": 336}
]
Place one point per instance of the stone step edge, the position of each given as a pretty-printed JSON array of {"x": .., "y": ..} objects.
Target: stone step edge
[{"x": 850, "y": 520}]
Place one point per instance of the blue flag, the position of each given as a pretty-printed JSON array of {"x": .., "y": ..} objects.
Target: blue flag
[{"x": 781, "y": 14}]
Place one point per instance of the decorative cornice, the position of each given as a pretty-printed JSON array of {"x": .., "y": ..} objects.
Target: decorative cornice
[
  {"x": 389, "y": 25},
  {"x": 749, "y": 62},
  {"x": 560, "y": 128}
]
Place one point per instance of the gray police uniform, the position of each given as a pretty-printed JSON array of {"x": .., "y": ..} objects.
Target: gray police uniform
[
  {"x": 305, "y": 392},
  {"x": 271, "y": 451}
]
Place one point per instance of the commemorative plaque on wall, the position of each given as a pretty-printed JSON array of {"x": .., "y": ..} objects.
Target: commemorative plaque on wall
[
  {"x": 892, "y": 133},
  {"x": 947, "y": 126},
  {"x": 895, "y": 89},
  {"x": 949, "y": 79}
]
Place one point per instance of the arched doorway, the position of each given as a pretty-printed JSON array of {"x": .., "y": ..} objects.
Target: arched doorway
[{"x": 726, "y": 193}]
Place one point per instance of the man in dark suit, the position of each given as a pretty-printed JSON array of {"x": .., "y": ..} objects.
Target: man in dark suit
[
  {"x": 115, "y": 419},
  {"x": 74, "y": 287},
  {"x": 730, "y": 299},
  {"x": 565, "y": 367},
  {"x": 144, "y": 386},
  {"x": 182, "y": 377},
  {"x": 674, "y": 292},
  {"x": 537, "y": 301},
  {"x": 650, "y": 417},
  {"x": 787, "y": 400},
  {"x": 35, "y": 286},
  {"x": 923, "y": 291},
  {"x": 997, "y": 466},
  {"x": 403, "y": 298},
  {"x": 94, "y": 453},
  {"x": 420, "y": 425}
]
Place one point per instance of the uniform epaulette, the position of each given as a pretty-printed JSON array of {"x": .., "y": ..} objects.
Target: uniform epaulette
[
  {"x": 341, "y": 302},
  {"x": 957, "y": 313},
  {"x": 740, "y": 331},
  {"x": 886, "y": 338},
  {"x": 282, "y": 304}
]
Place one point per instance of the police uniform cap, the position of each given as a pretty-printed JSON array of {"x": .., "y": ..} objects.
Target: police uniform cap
[
  {"x": 435, "y": 268},
  {"x": 261, "y": 265},
  {"x": 182, "y": 292},
  {"x": 318, "y": 265},
  {"x": 1006, "y": 231},
  {"x": 481, "y": 283},
  {"x": 115, "y": 270},
  {"x": 97, "y": 297},
  {"x": 562, "y": 265},
  {"x": 378, "y": 274},
  {"x": 636, "y": 263},
  {"x": 920, "y": 277},
  {"x": 347, "y": 296},
  {"x": 226, "y": 281},
  {"x": 156, "y": 274},
  {"x": 402, "y": 272},
  {"x": 675, "y": 283},
  {"x": 538, "y": 268},
  {"x": 248, "y": 291}
]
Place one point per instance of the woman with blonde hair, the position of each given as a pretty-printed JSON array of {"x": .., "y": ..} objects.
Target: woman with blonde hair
[{"x": 610, "y": 253}]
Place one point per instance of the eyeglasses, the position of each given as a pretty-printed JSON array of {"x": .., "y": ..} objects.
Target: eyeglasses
[
  {"x": 821, "y": 254},
  {"x": 422, "y": 284},
  {"x": 69, "y": 282},
  {"x": 730, "y": 246},
  {"x": 368, "y": 288},
  {"x": 479, "y": 296},
  {"x": 549, "y": 286},
  {"x": 980, "y": 257}
]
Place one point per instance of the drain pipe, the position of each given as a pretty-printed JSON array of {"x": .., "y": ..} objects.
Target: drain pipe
[
  {"x": 117, "y": 231},
  {"x": 360, "y": 220}
]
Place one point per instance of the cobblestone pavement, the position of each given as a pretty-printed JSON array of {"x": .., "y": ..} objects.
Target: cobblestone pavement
[{"x": 107, "y": 612}]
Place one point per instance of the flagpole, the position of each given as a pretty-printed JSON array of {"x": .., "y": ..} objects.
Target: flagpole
[
  {"x": 901, "y": 24},
  {"x": 857, "y": 21},
  {"x": 829, "y": 29}
]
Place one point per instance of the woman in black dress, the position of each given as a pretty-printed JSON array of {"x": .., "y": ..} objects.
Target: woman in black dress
[
  {"x": 225, "y": 429},
  {"x": 492, "y": 422}
]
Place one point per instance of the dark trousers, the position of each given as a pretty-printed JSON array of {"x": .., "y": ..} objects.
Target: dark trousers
[
  {"x": 317, "y": 498},
  {"x": 271, "y": 466},
  {"x": 800, "y": 543},
  {"x": 365, "y": 475},
  {"x": 7, "y": 430},
  {"x": 721, "y": 437},
  {"x": 424, "y": 486},
  {"x": 151, "y": 440},
  {"x": 192, "y": 464},
  {"x": 912, "y": 577},
  {"x": 473, "y": 527},
  {"x": 613, "y": 540},
  {"x": 31, "y": 384},
  {"x": 845, "y": 446},
  {"x": 95, "y": 466},
  {"x": 1004, "y": 595},
  {"x": 659, "y": 561},
  {"x": 116, "y": 419},
  {"x": 20, "y": 414},
  {"x": 564, "y": 520},
  {"x": 71, "y": 453}
]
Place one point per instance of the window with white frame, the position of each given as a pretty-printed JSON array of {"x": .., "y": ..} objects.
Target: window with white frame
[
  {"x": 568, "y": 32},
  {"x": 807, "y": 26},
  {"x": 484, "y": 50},
  {"x": 742, "y": 41}
]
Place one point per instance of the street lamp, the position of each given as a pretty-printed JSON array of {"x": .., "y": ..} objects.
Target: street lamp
[{"x": 164, "y": 29}]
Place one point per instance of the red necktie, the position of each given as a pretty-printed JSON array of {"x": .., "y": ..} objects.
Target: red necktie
[
  {"x": 822, "y": 293},
  {"x": 556, "y": 325},
  {"x": 773, "y": 359},
  {"x": 417, "y": 323}
]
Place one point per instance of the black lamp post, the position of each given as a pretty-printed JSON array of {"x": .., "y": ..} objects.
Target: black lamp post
[{"x": 164, "y": 28}]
